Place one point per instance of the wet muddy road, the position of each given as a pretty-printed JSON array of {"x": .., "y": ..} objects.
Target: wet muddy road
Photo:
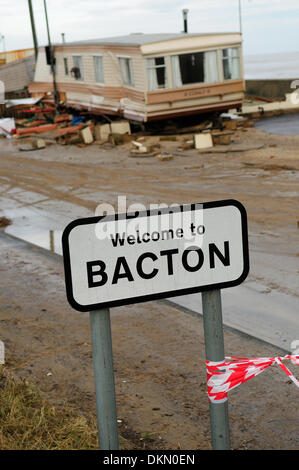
[
  {"x": 43, "y": 191},
  {"x": 158, "y": 348},
  {"x": 280, "y": 125}
]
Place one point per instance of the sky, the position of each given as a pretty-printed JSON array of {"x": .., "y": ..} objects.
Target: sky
[{"x": 268, "y": 26}]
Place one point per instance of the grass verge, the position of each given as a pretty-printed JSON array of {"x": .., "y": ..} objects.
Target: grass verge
[{"x": 27, "y": 421}]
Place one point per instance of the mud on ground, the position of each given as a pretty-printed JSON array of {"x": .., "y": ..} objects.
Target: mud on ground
[{"x": 158, "y": 348}]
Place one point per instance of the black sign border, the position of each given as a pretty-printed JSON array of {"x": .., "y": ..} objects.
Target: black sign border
[{"x": 147, "y": 213}]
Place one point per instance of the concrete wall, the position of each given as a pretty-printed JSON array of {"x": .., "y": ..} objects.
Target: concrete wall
[{"x": 276, "y": 89}]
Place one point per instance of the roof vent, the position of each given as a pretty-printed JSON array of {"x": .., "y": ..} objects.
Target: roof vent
[{"x": 185, "y": 12}]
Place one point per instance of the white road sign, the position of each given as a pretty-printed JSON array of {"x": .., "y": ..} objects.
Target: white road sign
[{"x": 127, "y": 258}]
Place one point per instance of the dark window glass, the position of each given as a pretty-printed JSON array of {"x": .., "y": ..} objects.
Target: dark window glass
[{"x": 192, "y": 67}]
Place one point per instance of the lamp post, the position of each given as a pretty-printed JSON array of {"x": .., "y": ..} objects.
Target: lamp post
[
  {"x": 33, "y": 29},
  {"x": 2, "y": 39},
  {"x": 52, "y": 60},
  {"x": 240, "y": 16}
]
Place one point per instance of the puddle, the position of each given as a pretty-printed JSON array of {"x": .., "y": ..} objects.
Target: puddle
[
  {"x": 47, "y": 239},
  {"x": 244, "y": 307},
  {"x": 42, "y": 226},
  {"x": 281, "y": 125}
]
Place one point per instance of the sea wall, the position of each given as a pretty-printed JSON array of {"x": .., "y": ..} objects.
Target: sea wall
[{"x": 271, "y": 89}]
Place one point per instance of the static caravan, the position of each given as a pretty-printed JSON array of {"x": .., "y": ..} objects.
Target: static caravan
[{"x": 147, "y": 77}]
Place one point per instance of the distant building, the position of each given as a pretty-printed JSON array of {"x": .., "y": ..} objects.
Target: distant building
[
  {"x": 16, "y": 77},
  {"x": 12, "y": 56},
  {"x": 17, "y": 71},
  {"x": 147, "y": 77}
]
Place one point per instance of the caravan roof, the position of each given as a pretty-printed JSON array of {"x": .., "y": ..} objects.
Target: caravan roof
[{"x": 137, "y": 39}]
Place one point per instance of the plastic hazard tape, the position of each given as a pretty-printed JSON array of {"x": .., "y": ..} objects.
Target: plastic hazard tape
[{"x": 234, "y": 371}]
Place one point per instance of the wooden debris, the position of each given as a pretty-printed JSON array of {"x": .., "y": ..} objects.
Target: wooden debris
[
  {"x": 136, "y": 144},
  {"x": 102, "y": 132},
  {"x": 197, "y": 127},
  {"x": 187, "y": 145},
  {"x": 86, "y": 135},
  {"x": 140, "y": 148},
  {"x": 35, "y": 130},
  {"x": 195, "y": 167},
  {"x": 116, "y": 139},
  {"x": 71, "y": 129},
  {"x": 39, "y": 144},
  {"x": 120, "y": 127},
  {"x": 62, "y": 118},
  {"x": 231, "y": 148},
  {"x": 168, "y": 138},
  {"x": 203, "y": 141},
  {"x": 163, "y": 157},
  {"x": 222, "y": 138},
  {"x": 231, "y": 124},
  {"x": 126, "y": 138}
]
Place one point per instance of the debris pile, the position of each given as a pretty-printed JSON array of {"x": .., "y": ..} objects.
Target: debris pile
[
  {"x": 140, "y": 148},
  {"x": 41, "y": 122},
  {"x": 36, "y": 118}
]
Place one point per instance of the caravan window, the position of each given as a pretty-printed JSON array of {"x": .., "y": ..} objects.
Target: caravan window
[
  {"x": 66, "y": 68},
  {"x": 77, "y": 70},
  {"x": 231, "y": 63},
  {"x": 156, "y": 73},
  {"x": 197, "y": 67},
  {"x": 98, "y": 68},
  {"x": 125, "y": 64}
]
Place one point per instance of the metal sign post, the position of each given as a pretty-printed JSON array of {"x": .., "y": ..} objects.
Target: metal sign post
[
  {"x": 123, "y": 259},
  {"x": 104, "y": 378},
  {"x": 214, "y": 344}
]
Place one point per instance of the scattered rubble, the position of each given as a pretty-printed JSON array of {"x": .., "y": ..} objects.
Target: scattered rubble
[
  {"x": 232, "y": 148},
  {"x": 222, "y": 138},
  {"x": 164, "y": 157},
  {"x": 86, "y": 135},
  {"x": 7, "y": 127},
  {"x": 140, "y": 149},
  {"x": 39, "y": 119},
  {"x": 39, "y": 144},
  {"x": 203, "y": 141},
  {"x": 4, "y": 222}
]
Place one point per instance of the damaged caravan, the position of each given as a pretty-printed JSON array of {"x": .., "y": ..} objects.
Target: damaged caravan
[{"x": 145, "y": 77}]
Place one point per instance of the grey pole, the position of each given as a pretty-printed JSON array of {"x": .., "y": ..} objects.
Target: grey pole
[
  {"x": 104, "y": 379},
  {"x": 214, "y": 344},
  {"x": 53, "y": 65},
  {"x": 240, "y": 16},
  {"x": 33, "y": 29}
]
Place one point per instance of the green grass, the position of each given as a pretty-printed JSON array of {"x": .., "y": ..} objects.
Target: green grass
[{"x": 27, "y": 421}]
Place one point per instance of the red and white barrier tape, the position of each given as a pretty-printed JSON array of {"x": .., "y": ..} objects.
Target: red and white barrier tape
[{"x": 233, "y": 371}]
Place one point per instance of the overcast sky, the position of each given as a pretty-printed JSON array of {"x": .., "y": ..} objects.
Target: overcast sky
[{"x": 268, "y": 25}]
